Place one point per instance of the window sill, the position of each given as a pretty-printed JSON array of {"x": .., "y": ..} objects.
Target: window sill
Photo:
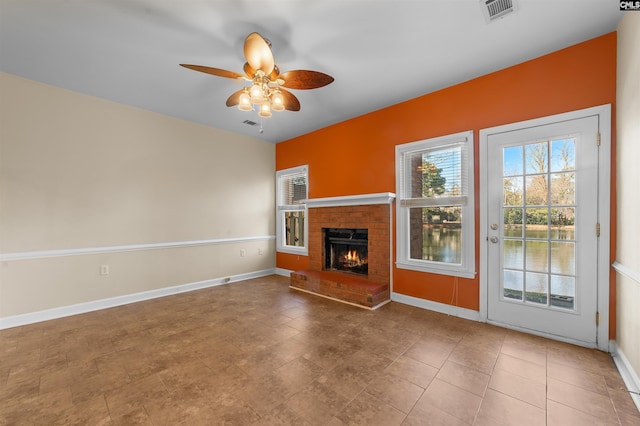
[{"x": 301, "y": 251}]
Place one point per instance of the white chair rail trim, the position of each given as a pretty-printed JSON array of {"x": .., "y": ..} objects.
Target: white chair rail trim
[
  {"x": 627, "y": 272},
  {"x": 4, "y": 257}
]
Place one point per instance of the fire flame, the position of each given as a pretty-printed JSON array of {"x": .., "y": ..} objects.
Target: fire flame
[
  {"x": 352, "y": 259},
  {"x": 352, "y": 255}
]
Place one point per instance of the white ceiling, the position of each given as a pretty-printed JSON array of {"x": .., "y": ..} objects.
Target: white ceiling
[{"x": 380, "y": 52}]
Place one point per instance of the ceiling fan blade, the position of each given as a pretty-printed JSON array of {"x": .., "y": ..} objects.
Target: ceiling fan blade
[
  {"x": 303, "y": 79},
  {"x": 291, "y": 103},
  {"x": 249, "y": 71},
  {"x": 234, "y": 99},
  {"x": 213, "y": 71},
  {"x": 275, "y": 74},
  {"x": 258, "y": 53}
]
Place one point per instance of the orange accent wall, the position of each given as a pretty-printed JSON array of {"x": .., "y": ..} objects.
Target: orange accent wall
[
  {"x": 292, "y": 262},
  {"x": 357, "y": 156}
]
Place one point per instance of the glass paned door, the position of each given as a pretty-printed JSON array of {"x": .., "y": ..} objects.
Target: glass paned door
[
  {"x": 538, "y": 215},
  {"x": 542, "y": 244}
]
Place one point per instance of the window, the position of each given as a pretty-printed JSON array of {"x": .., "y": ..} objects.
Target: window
[
  {"x": 291, "y": 214},
  {"x": 435, "y": 208}
]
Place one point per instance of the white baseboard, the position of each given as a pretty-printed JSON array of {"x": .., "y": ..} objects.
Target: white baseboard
[
  {"x": 436, "y": 306},
  {"x": 95, "y": 305},
  {"x": 628, "y": 374},
  {"x": 283, "y": 272}
]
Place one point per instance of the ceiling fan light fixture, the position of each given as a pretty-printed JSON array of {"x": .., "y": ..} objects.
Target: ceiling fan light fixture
[
  {"x": 265, "y": 109},
  {"x": 244, "y": 102},
  {"x": 257, "y": 93},
  {"x": 277, "y": 101}
]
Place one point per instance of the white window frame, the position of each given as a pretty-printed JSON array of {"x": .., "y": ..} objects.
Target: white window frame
[
  {"x": 466, "y": 269},
  {"x": 281, "y": 209}
]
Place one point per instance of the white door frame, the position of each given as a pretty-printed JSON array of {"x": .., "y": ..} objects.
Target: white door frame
[{"x": 604, "y": 207}]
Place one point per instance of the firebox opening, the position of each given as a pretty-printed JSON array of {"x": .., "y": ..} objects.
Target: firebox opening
[{"x": 346, "y": 250}]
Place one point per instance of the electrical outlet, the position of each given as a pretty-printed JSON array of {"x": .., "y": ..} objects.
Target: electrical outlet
[
  {"x": 243, "y": 253},
  {"x": 104, "y": 269},
  {"x": 260, "y": 252}
]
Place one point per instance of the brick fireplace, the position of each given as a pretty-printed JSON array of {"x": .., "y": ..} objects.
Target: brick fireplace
[{"x": 351, "y": 214}]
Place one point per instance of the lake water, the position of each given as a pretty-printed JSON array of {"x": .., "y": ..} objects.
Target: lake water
[
  {"x": 442, "y": 244},
  {"x": 540, "y": 259},
  {"x": 544, "y": 262}
]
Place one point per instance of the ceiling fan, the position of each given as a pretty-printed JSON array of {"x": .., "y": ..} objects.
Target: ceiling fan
[{"x": 268, "y": 84}]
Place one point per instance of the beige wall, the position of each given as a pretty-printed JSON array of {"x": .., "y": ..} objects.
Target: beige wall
[
  {"x": 628, "y": 176},
  {"x": 78, "y": 172}
]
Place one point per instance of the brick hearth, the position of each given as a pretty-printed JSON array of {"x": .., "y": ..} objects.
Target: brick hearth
[
  {"x": 342, "y": 287},
  {"x": 371, "y": 291}
]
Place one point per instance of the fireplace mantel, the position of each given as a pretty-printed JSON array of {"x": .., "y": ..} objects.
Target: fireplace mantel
[{"x": 351, "y": 200}]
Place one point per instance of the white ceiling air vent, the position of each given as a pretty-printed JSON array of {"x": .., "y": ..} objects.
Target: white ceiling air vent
[
  {"x": 249, "y": 122},
  {"x": 496, "y": 9}
]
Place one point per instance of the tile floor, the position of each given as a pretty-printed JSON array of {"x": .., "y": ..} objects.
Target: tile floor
[{"x": 258, "y": 353}]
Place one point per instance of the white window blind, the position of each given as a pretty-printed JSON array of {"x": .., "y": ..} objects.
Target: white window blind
[
  {"x": 292, "y": 189},
  {"x": 435, "y": 176}
]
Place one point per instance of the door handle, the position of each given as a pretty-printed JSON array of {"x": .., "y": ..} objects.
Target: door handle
[{"x": 494, "y": 240}]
